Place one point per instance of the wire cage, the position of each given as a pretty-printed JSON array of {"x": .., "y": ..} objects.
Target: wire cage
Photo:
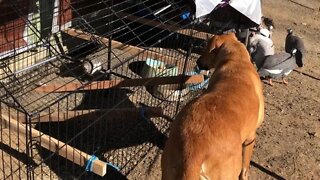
[{"x": 88, "y": 88}]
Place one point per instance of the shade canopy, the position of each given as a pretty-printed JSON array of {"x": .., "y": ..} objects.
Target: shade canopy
[{"x": 249, "y": 8}]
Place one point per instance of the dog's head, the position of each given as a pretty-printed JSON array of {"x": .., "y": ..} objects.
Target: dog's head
[{"x": 209, "y": 58}]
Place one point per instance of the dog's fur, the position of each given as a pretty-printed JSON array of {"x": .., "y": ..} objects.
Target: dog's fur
[{"x": 213, "y": 136}]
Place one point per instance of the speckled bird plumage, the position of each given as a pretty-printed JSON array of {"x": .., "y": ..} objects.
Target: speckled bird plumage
[
  {"x": 295, "y": 42},
  {"x": 260, "y": 47},
  {"x": 278, "y": 65}
]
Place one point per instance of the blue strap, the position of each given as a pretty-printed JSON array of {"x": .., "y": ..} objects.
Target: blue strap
[
  {"x": 185, "y": 15},
  {"x": 92, "y": 159},
  {"x": 197, "y": 70},
  {"x": 115, "y": 167},
  {"x": 90, "y": 162},
  {"x": 142, "y": 114}
]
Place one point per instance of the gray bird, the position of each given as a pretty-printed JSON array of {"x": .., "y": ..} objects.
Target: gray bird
[
  {"x": 260, "y": 47},
  {"x": 279, "y": 66},
  {"x": 295, "y": 42}
]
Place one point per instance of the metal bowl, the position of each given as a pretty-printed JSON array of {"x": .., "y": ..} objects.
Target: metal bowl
[{"x": 170, "y": 92}]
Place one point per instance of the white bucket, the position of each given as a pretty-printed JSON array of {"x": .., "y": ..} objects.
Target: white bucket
[
  {"x": 169, "y": 92},
  {"x": 155, "y": 68}
]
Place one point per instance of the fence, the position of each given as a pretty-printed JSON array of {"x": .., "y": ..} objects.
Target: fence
[{"x": 88, "y": 88}]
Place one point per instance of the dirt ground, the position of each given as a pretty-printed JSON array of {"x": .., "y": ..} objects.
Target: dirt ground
[{"x": 288, "y": 143}]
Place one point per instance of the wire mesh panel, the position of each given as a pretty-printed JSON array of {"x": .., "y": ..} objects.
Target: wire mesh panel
[{"x": 89, "y": 88}]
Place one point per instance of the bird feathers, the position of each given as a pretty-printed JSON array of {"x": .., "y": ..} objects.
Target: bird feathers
[
  {"x": 295, "y": 42},
  {"x": 278, "y": 65}
]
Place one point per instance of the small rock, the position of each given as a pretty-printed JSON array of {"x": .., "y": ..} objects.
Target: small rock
[
  {"x": 39, "y": 84},
  {"x": 312, "y": 133},
  {"x": 304, "y": 24}
]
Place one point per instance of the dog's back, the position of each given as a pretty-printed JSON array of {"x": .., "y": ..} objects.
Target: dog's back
[{"x": 206, "y": 138}]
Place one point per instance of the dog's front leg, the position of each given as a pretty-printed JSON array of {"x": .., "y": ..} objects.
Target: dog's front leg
[{"x": 247, "y": 150}]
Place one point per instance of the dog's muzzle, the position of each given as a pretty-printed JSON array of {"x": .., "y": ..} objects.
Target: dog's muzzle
[{"x": 201, "y": 65}]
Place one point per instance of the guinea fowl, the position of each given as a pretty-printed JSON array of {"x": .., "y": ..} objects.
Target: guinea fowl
[
  {"x": 279, "y": 66},
  {"x": 260, "y": 46},
  {"x": 295, "y": 42},
  {"x": 268, "y": 22}
]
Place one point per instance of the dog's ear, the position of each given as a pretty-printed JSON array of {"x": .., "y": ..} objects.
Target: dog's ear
[
  {"x": 214, "y": 56},
  {"x": 213, "y": 43},
  {"x": 218, "y": 54},
  {"x": 218, "y": 40},
  {"x": 214, "y": 51}
]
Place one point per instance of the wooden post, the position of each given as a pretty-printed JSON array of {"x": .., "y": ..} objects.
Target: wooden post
[
  {"x": 75, "y": 155},
  {"x": 134, "y": 50},
  {"x": 172, "y": 28},
  {"x": 121, "y": 83},
  {"x": 120, "y": 113}
]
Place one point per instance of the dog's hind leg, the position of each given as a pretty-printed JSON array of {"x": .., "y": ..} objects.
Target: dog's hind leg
[{"x": 247, "y": 150}]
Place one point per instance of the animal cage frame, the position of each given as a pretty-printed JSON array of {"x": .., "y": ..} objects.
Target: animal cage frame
[{"x": 89, "y": 88}]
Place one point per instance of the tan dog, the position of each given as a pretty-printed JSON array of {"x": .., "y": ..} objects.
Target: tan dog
[{"x": 213, "y": 136}]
